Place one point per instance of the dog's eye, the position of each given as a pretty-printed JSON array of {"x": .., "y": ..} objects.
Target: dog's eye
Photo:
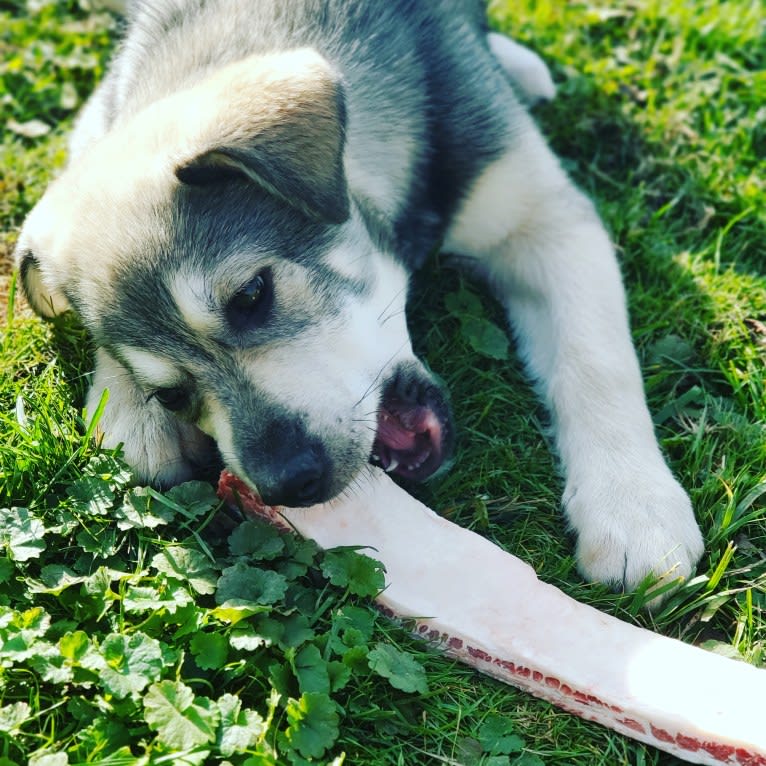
[
  {"x": 173, "y": 399},
  {"x": 249, "y": 307}
]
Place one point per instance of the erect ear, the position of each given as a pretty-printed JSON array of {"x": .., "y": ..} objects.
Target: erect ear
[
  {"x": 279, "y": 120},
  {"x": 46, "y": 300}
]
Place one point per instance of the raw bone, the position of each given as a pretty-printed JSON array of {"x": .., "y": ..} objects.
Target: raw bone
[{"x": 487, "y": 608}]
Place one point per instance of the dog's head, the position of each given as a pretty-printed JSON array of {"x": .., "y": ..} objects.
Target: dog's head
[{"x": 210, "y": 245}]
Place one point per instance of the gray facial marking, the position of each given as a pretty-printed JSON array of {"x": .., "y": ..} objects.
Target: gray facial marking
[{"x": 220, "y": 239}]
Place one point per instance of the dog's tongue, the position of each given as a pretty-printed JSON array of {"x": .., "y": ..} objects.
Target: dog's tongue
[
  {"x": 400, "y": 432},
  {"x": 408, "y": 440}
]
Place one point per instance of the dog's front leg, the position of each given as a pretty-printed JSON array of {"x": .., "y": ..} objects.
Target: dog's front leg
[
  {"x": 543, "y": 247},
  {"x": 161, "y": 449}
]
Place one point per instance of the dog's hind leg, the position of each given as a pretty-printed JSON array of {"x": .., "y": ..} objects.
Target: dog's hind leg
[
  {"x": 547, "y": 255},
  {"x": 524, "y": 68}
]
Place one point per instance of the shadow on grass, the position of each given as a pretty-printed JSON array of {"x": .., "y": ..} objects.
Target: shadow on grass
[{"x": 671, "y": 231}]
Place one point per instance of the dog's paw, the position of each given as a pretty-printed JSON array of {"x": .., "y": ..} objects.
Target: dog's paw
[
  {"x": 633, "y": 526},
  {"x": 160, "y": 449}
]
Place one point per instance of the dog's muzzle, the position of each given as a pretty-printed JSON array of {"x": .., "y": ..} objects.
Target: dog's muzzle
[{"x": 414, "y": 434}]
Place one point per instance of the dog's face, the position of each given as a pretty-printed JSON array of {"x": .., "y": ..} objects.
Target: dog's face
[{"x": 209, "y": 245}]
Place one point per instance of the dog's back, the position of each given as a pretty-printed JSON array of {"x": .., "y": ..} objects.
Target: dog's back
[{"x": 416, "y": 134}]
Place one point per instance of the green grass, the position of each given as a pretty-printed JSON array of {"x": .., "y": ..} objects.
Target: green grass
[{"x": 660, "y": 118}]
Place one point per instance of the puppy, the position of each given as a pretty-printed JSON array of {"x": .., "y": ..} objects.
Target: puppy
[{"x": 250, "y": 189}]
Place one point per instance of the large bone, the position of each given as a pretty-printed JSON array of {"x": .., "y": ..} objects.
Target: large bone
[{"x": 487, "y": 608}]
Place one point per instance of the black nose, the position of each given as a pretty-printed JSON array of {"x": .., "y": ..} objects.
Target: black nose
[{"x": 303, "y": 480}]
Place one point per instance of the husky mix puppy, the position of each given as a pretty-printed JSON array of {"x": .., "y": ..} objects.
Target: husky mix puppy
[{"x": 249, "y": 191}]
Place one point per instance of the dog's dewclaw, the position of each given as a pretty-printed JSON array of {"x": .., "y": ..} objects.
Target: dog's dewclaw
[{"x": 488, "y": 609}]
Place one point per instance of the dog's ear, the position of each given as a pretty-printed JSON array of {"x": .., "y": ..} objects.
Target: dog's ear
[
  {"x": 280, "y": 121},
  {"x": 46, "y": 300}
]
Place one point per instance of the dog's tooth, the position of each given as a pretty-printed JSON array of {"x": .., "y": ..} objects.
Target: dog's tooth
[{"x": 392, "y": 466}]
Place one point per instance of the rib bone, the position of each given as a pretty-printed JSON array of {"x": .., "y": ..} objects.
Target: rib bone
[{"x": 488, "y": 608}]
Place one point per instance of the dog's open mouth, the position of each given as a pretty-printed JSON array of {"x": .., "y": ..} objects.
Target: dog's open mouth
[{"x": 414, "y": 434}]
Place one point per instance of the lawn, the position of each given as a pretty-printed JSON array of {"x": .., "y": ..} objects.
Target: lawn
[{"x": 138, "y": 628}]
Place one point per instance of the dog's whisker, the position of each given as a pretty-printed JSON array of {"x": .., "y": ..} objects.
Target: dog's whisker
[
  {"x": 383, "y": 368},
  {"x": 367, "y": 420},
  {"x": 396, "y": 295},
  {"x": 392, "y": 315}
]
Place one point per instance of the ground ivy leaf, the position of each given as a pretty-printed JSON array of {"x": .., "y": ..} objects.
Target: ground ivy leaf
[
  {"x": 401, "y": 669},
  {"x": 139, "y": 510},
  {"x": 485, "y": 337},
  {"x": 56, "y": 579},
  {"x": 143, "y": 598},
  {"x": 234, "y": 611},
  {"x": 528, "y": 759},
  {"x": 302, "y": 550},
  {"x": 356, "y": 657},
  {"x": 99, "y": 587},
  {"x": 350, "y": 637},
  {"x": 356, "y": 617},
  {"x": 74, "y": 646},
  {"x": 100, "y": 541},
  {"x": 7, "y": 616},
  {"x": 281, "y": 677},
  {"x": 352, "y": 626},
  {"x": 50, "y": 665},
  {"x": 304, "y": 599},
  {"x": 467, "y": 750},
  {"x": 256, "y": 539},
  {"x": 22, "y": 533},
  {"x": 181, "y": 720},
  {"x": 312, "y": 724},
  {"x": 196, "y": 498},
  {"x": 6, "y": 566},
  {"x": 132, "y": 662},
  {"x": 92, "y": 495},
  {"x": 21, "y": 634},
  {"x": 210, "y": 650},
  {"x": 245, "y": 639},
  {"x": 360, "y": 574},
  {"x": 104, "y": 735},
  {"x": 35, "y": 620},
  {"x": 671, "y": 347},
  {"x": 463, "y": 302},
  {"x": 14, "y": 715},
  {"x": 239, "y": 729},
  {"x": 482, "y": 335},
  {"x": 300, "y": 554},
  {"x": 339, "y": 674},
  {"x": 188, "y": 619},
  {"x": 109, "y": 469},
  {"x": 188, "y": 565},
  {"x": 245, "y": 583},
  {"x": 311, "y": 670},
  {"x": 296, "y": 630},
  {"x": 64, "y": 521},
  {"x": 497, "y": 737}
]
